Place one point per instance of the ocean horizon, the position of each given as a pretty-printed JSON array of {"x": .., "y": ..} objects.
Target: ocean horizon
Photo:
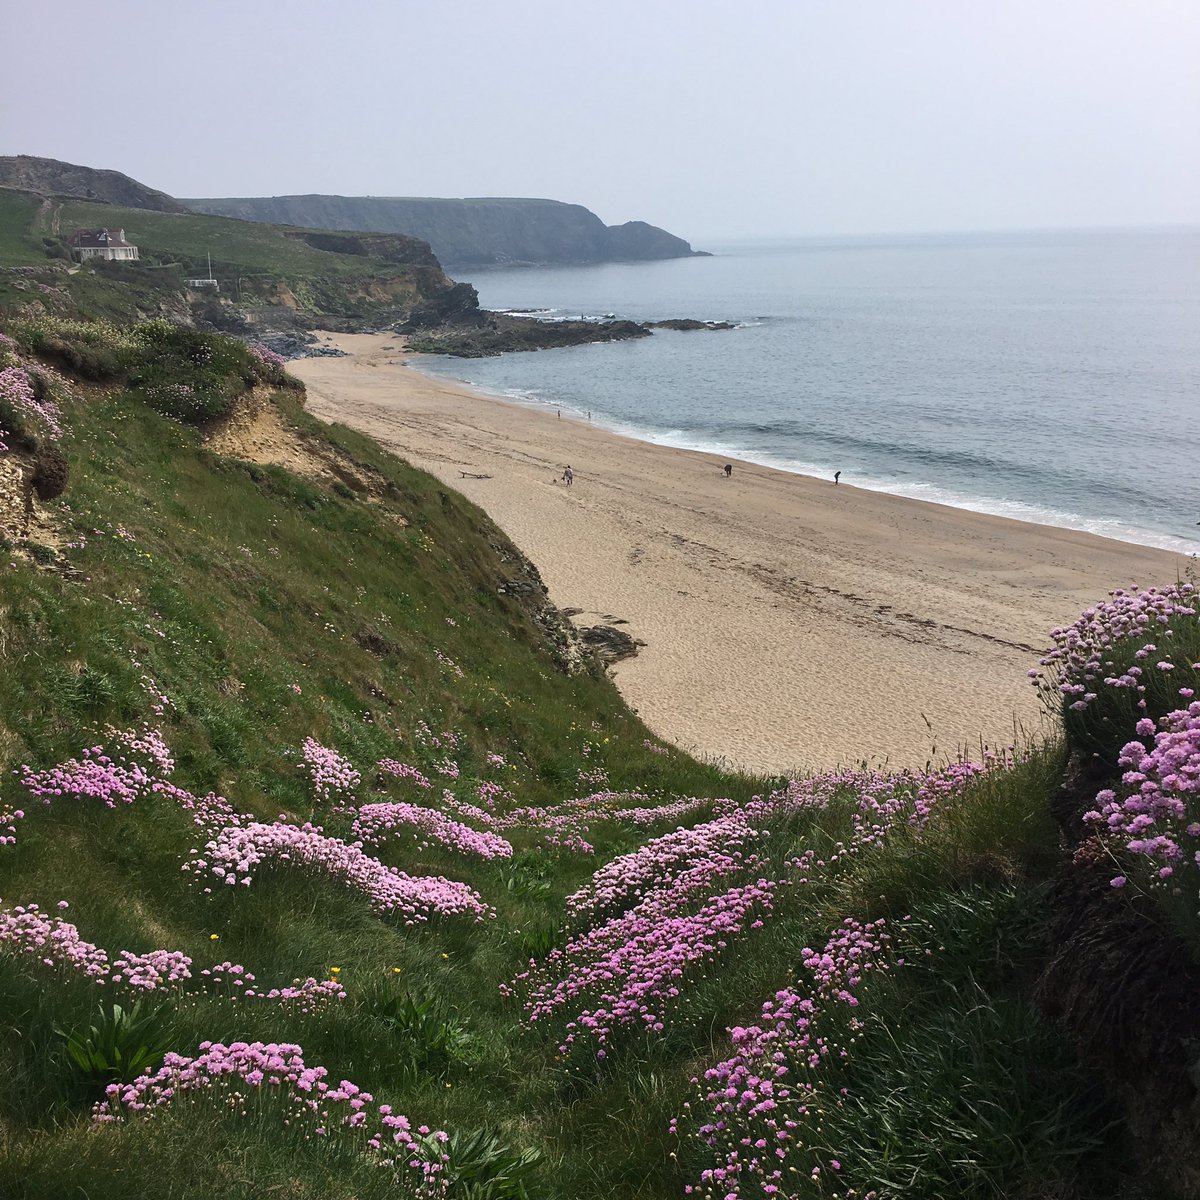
[{"x": 1043, "y": 376}]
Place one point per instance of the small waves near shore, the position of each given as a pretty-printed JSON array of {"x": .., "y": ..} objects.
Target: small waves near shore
[{"x": 1047, "y": 377}]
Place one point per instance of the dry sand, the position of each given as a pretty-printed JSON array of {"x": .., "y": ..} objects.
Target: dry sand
[{"x": 787, "y": 622}]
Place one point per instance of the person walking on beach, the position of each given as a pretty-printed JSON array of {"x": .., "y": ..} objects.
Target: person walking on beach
[
  {"x": 728, "y": 470},
  {"x": 836, "y": 476},
  {"x": 568, "y": 476}
]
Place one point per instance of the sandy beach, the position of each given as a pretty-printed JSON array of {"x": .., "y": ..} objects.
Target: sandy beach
[{"x": 788, "y": 622}]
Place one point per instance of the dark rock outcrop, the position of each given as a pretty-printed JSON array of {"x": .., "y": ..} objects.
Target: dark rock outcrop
[
  {"x": 298, "y": 345},
  {"x": 688, "y": 324},
  {"x": 456, "y": 306},
  {"x": 609, "y": 643},
  {"x": 500, "y": 334},
  {"x": 523, "y": 584},
  {"x": 470, "y": 233},
  {"x": 53, "y": 178}
]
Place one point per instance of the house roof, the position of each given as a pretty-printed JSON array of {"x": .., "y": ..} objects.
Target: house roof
[{"x": 98, "y": 239}]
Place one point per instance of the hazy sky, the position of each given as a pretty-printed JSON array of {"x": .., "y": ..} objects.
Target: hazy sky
[{"x": 738, "y": 118}]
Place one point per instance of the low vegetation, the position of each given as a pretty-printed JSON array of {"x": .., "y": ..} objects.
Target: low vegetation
[{"x": 331, "y": 866}]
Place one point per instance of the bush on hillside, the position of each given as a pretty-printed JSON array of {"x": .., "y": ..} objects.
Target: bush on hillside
[
  {"x": 95, "y": 363},
  {"x": 50, "y": 473},
  {"x": 186, "y": 374},
  {"x": 192, "y": 406},
  {"x": 1154, "y": 813},
  {"x": 1134, "y": 658},
  {"x": 197, "y": 377},
  {"x": 27, "y": 410}
]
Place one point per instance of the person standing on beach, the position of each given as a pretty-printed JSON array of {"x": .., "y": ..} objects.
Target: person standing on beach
[
  {"x": 568, "y": 476},
  {"x": 836, "y": 476},
  {"x": 728, "y": 470}
]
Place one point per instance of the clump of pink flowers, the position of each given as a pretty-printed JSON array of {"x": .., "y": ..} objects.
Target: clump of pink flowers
[
  {"x": 1133, "y": 652},
  {"x": 235, "y": 855},
  {"x": 376, "y": 823},
  {"x": 18, "y": 395},
  {"x": 761, "y": 1105},
  {"x": 307, "y": 1101},
  {"x": 266, "y": 356},
  {"x": 878, "y": 805},
  {"x": 630, "y": 974},
  {"x": 658, "y": 863},
  {"x": 53, "y": 942},
  {"x": 1155, "y": 812},
  {"x": 27, "y": 932},
  {"x": 333, "y": 778},
  {"x": 131, "y": 767},
  {"x": 399, "y": 770},
  {"x": 692, "y": 894}
]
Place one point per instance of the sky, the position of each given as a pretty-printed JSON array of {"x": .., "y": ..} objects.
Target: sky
[{"x": 712, "y": 118}]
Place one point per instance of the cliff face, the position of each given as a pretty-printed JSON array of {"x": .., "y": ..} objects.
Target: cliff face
[
  {"x": 390, "y": 248},
  {"x": 483, "y": 232},
  {"x": 53, "y": 178}
]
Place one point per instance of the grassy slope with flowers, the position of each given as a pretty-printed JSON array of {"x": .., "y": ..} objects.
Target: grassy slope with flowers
[{"x": 823, "y": 989}]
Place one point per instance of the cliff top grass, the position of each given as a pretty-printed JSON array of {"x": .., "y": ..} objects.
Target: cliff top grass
[{"x": 18, "y": 246}]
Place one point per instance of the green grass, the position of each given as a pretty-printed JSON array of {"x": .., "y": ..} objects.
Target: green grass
[{"x": 18, "y": 245}]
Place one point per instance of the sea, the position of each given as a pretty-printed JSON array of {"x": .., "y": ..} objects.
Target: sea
[{"x": 1051, "y": 377}]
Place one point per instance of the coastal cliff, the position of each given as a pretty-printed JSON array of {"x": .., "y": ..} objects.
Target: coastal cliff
[{"x": 470, "y": 233}]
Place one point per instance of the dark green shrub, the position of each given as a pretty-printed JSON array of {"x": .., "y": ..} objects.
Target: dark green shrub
[
  {"x": 527, "y": 875},
  {"x": 538, "y": 938},
  {"x": 50, "y": 473},
  {"x": 190, "y": 376}
]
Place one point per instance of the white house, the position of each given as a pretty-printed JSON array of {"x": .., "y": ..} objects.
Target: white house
[{"x": 101, "y": 243}]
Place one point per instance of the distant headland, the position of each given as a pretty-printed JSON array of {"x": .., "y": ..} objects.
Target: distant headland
[{"x": 470, "y": 233}]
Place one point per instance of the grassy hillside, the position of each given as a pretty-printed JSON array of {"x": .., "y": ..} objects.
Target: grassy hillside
[
  {"x": 318, "y": 726},
  {"x": 255, "y": 264},
  {"x": 18, "y": 214}
]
